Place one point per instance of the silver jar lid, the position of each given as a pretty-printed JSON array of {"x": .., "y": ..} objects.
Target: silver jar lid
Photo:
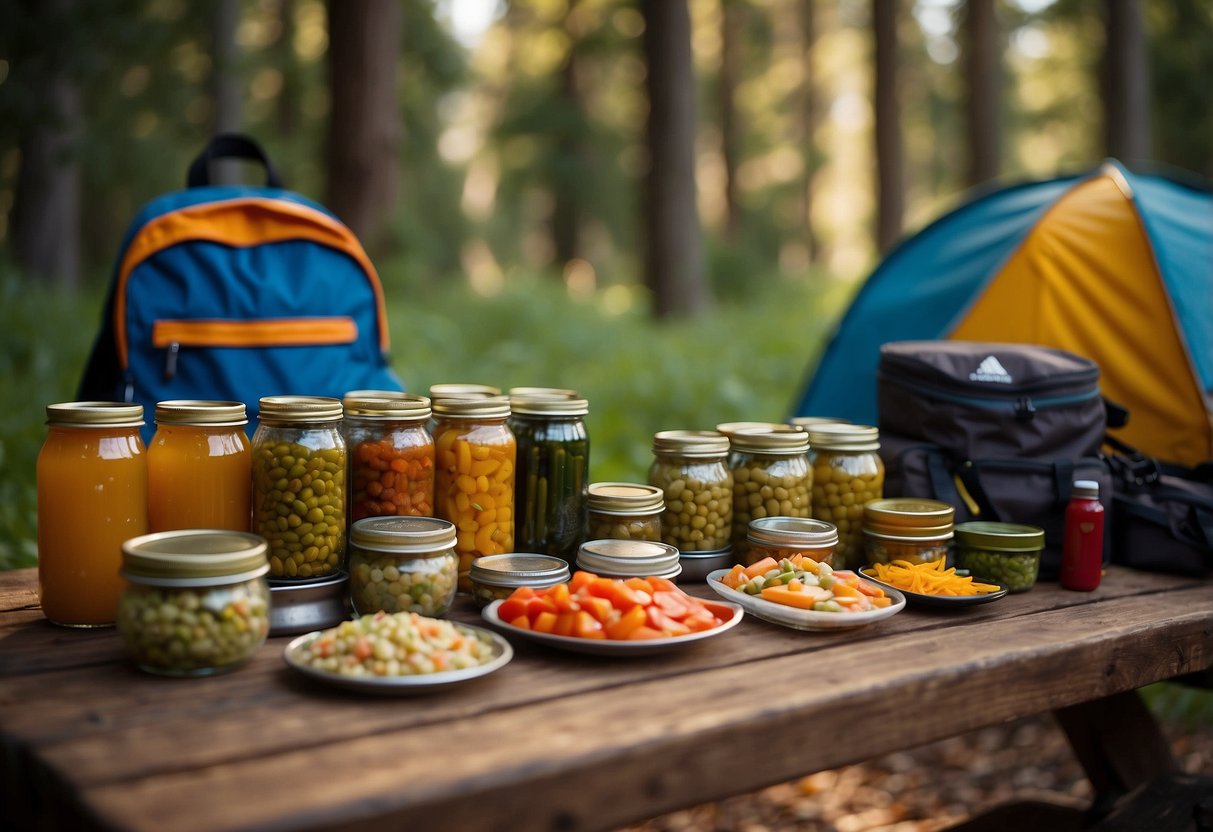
[
  {"x": 797, "y": 532},
  {"x": 629, "y": 558},
  {"x": 787, "y": 441},
  {"x": 730, "y": 428},
  {"x": 201, "y": 413},
  {"x": 485, "y": 407},
  {"x": 625, "y": 498},
  {"x": 94, "y": 415},
  {"x": 516, "y": 569},
  {"x": 839, "y": 436},
  {"x": 403, "y": 535},
  {"x": 691, "y": 443},
  {"x": 289, "y": 409},
  {"x": 548, "y": 406},
  {"x": 462, "y": 391},
  {"x": 194, "y": 557},
  {"x": 543, "y": 392}
]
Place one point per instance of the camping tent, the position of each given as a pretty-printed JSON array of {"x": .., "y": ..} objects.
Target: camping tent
[{"x": 1112, "y": 265}]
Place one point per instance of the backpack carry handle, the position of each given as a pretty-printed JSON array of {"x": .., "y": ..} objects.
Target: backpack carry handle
[{"x": 229, "y": 146}]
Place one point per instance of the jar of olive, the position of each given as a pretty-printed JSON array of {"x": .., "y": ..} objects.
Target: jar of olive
[
  {"x": 782, "y": 537},
  {"x": 625, "y": 511},
  {"x": 847, "y": 474},
  {"x": 475, "y": 454},
  {"x": 771, "y": 478},
  {"x": 391, "y": 455},
  {"x": 1008, "y": 553},
  {"x": 402, "y": 564},
  {"x": 907, "y": 528},
  {"x": 553, "y": 473},
  {"x": 691, "y": 469},
  {"x": 196, "y": 600},
  {"x": 299, "y": 464}
]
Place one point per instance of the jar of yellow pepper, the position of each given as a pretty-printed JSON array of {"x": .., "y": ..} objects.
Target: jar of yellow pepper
[{"x": 847, "y": 473}]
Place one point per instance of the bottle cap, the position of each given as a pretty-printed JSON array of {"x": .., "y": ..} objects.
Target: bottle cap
[{"x": 1086, "y": 488}]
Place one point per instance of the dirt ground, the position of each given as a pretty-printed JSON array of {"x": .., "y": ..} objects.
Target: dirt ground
[{"x": 928, "y": 788}]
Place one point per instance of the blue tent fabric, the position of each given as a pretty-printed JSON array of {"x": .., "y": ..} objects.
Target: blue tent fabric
[{"x": 926, "y": 285}]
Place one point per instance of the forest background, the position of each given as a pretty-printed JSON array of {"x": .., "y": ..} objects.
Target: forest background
[{"x": 664, "y": 204}]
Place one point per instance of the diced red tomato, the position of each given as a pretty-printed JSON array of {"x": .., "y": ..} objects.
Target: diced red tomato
[
  {"x": 538, "y": 604},
  {"x": 512, "y": 607}
]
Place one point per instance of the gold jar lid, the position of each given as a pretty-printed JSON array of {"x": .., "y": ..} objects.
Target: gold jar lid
[
  {"x": 908, "y": 517},
  {"x": 462, "y": 391},
  {"x": 841, "y": 436},
  {"x": 812, "y": 421},
  {"x": 487, "y": 407},
  {"x": 194, "y": 557},
  {"x": 793, "y": 532},
  {"x": 517, "y": 569},
  {"x": 629, "y": 558},
  {"x": 407, "y": 407},
  {"x": 730, "y": 428},
  {"x": 543, "y": 392},
  {"x": 403, "y": 535},
  {"x": 1003, "y": 537},
  {"x": 787, "y": 441},
  {"x": 286, "y": 409},
  {"x": 548, "y": 406},
  {"x": 692, "y": 443},
  {"x": 201, "y": 412},
  {"x": 94, "y": 415},
  {"x": 625, "y": 498}
]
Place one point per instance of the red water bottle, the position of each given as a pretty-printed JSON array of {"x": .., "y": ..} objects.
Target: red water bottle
[{"x": 1082, "y": 552}]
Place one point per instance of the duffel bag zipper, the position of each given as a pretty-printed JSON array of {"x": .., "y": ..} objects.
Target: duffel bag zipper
[{"x": 1024, "y": 407}]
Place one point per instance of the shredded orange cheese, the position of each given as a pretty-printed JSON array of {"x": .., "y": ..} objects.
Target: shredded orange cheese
[{"x": 929, "y": 578}]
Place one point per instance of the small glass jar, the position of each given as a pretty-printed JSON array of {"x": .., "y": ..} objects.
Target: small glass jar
[
  {"x": 782, "y": 537},
  {"x": 553, "y": 473},
  {"x": 907, "y": 528},
  {"x": 299, "y": 467},
  {"x": 771, "y": 478},
  {"x": 402, "y": 564},
  {"x": 92, "y": 496},
  {"x": 629, "y": 559},
  {"x": 474, "y": 475},
  {"x": 497, "y": 576},
  {"x": 391, "y": 456},
  {"x": 847, "y": 473},
  {"x": 691, "y": 469},
  {"x": 197, "y": 602},
  {"x": 199, "y": 467},
  {"x": 625, "y": 511},
  {"x": 1008, "y": 553},
  {"x": 462, "y": 391}
]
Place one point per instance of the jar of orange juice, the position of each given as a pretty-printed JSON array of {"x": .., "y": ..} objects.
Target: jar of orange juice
[
  {"x": 92, "y": 496},
  {"x": 199, "y": 467},
  {"x": 391, "y": 455},
  {"x": 475, "y": 453}
]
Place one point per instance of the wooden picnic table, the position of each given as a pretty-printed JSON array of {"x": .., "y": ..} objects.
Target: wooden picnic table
[{"x": 560, "y": 741}]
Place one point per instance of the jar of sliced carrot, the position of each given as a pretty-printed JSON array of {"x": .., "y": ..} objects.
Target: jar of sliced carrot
[
  {"x": 475, "y": 454},
  {"x": 391, "y": 455}
]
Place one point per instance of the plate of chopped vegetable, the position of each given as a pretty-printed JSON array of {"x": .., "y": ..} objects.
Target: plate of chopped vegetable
[
  {"x": 398, "y": 653},
  {"x": 800, "y": 593},
  {"x": 611, "y": 616},
  {"x": 929, "y": 584}
]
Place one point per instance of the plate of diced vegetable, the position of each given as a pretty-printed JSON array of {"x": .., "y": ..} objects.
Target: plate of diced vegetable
[
  {"x": 930, "y": 584},
  {"x": 398, "y": 653},
  {"x": 611, "y": 616},
  {"x": 800, "y": 593}
]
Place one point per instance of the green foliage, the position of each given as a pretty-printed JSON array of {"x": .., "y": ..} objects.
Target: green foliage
[{"x": 1174, "y": 703}]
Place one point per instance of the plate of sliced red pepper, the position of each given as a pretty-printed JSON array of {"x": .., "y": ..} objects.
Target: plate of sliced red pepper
[{"x": 612, "y": 616}]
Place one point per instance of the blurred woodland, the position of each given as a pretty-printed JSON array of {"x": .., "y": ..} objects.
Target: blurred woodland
[{"x": 690, "y": 146}]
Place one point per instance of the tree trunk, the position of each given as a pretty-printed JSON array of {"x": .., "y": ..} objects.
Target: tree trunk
[
  {"x": 286, "y": 108},
  {"x": 889, "y": 174},
  {"x": 983, "y": 89},
  {"x": 807, "y": 121},
  {"x": 566, "y": 213},
  {"x": 674, "y": 262},
  {"x": 45, "y": 228},
  {"x": 364, "y": 131},
  {"x": 732, "y": 16},
  {"x": 1126, "y": 84},
  {"x": 225, "y": 84}
]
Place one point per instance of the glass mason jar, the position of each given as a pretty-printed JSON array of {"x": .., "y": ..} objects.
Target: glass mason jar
[
  {"x": 553, "y": 473},
  {"x": 771, "y": 478},
  {"x": 462, "y": 391},
  {"x": 299, "y": 462},
  {"x": 197, "y": 602},
  {"x": 92, "y": 497},
  {"x": 907, "y": 528},
  {"x": 625, "y": 511},
  {"x": 402, "y": 564},
  {"x": 691, "y": 469},
  {"x": 199, "y": 467},
  {"x": 1008, "y": 553},
  {"x": 847, "y": 473},
  {"x": 782, "y": 537},
  {"x": 497, "y": 576},
  {"x": 475, "y": 455},
  {"x": 391, "y": 455},
  {"x": 629, "y": 559}
]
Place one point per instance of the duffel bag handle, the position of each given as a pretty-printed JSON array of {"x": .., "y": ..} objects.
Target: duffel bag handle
[{"x": 230, "y": 146}]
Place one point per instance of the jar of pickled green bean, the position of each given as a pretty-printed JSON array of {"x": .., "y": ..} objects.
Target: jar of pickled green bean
[
  {"x": 847, "y": 473},
  {"x": 299, "y": 463},
  {"x": 552, "y": 481}
]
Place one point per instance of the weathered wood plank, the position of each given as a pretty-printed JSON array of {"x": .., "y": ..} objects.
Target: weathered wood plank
[{"x": 664, "y": 743}]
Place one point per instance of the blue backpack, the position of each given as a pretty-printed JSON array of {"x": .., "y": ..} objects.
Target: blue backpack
[{"x": 235, "y": 293}]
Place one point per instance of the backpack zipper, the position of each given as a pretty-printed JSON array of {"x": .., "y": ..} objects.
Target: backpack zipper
[
  {"x": 1024, "y": 407},
  {"x": 172, "y": 335}
]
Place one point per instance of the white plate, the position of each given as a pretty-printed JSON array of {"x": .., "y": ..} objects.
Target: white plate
[
  {"x": 731, "y": 613},
  {"x": 404, "y": 685},
  {"x": 799, "y": 619}
]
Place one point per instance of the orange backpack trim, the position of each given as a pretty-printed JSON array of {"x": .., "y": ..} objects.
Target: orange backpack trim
[
  {"x": 261, "y": 332},
  {"x": 241, "y": 223}
]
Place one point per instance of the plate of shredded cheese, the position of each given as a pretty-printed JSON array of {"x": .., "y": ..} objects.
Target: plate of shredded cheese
[{"x": 930, "y": 584}]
